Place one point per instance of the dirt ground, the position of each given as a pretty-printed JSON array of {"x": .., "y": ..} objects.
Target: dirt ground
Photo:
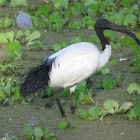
[{"x": 117, "y": 127}]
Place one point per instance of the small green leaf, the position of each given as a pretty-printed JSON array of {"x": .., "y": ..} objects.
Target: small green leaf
[
  {"x": 132, "y": 115},
  {"x": 14, "y": 47},
  {"x": 64, "y": 43},
  {"x": 126, "y": 106},
  {"x": 87, "y": 99},
  {"x": 137, "y": 109},
  {"x": 111, "y": 106},
  {"x": 15, "y": 3},
  {"x": 114, "y": 61},
  {"x": 76, "y": 40},
  {"x": 19, "y": 34},
  {"x": 43, "y": 10},
  {"x": 64, "y": 125},
  {"x": 133, "y": 88},
  {"x": 105, "y": 71},
  {"x": 38, "y": 132},
  {"x": 3, "y": 38},
  {"x": 56, "y": 47},
  {"x": 35, "y": 35}
]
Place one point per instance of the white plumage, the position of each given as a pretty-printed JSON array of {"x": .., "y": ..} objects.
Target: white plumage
[
  {"x": 72, "y": 64},
  {"x": 76, "y": 63}
]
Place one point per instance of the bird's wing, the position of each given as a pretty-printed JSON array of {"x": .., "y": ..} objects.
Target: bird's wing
[{"x": 73, "y": 65}]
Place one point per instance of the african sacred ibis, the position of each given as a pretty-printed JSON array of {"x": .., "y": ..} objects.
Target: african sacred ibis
[{"x": 72, "y": 64}]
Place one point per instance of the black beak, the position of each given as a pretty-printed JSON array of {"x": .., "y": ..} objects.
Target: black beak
[
  {"x": 102, "y": 24},
  {"x": 116, "y": 27}
]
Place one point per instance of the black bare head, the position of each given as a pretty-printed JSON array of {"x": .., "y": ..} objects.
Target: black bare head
[{"x": 103, "y": 24}]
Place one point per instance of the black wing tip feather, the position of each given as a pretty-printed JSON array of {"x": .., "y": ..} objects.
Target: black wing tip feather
[{"x": 37, "y": 79}]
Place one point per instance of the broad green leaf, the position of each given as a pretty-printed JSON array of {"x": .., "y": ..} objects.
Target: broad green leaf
[
  {"x": 56, "y": 47},
  {"x": 64, "y": 43},
  {"x": 43, "y": 10},
  {"x": 105, "y": 71},
  {"x": 108, "y": 83},
  {"x": 111, "y": 106},
  {"x": 28, "y": 131},
  {"x": 3, "y": 38},
  {"x": 75, "y": 25},
  {"x": 82, "y": 113},
  {"x": 10, "y": 35},
  {"x": 87, "y": 99},
  {"x": 76, "y": 39},
  {"x": 118, "y": 18},
  {"x": 114, "y": 61},
  {"x": 15, "y": 3},
  {"x": 38, "y": 132},
  {"x": 133, "y": 88},
  {"x": 19, "y": 34},
  {"x": 64, "y": 3},
  {"x": 75, "y": 12},
  {"x": 132, "y": 115},
  {"x": 64, "y": 124},
  {"x": 35, "y": 35},
  {"x": 127, "y": 3},
  {"x": 95, "y": 112},
  {"x": 2, "y": 94},
  {"x": 14, "y": 47},
  {"x": 124, "y": 107},
  {"x": 137, "y": 109},
  {"x": 130, "y": 19},
  {"x": 137, "y": 62},
  {"x": 89, "y": 2}
]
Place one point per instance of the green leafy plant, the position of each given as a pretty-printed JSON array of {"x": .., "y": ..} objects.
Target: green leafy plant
[
  {"x": 82, "y": 94},
  {"x": 38, "y": 133},
  {"x": 6, "y": 22},
  {"x": 15, "y": 3},
  {"x": 2, "y": 2},
  {"x": 92, "y": 114},
  {"x": 58, "y": 47},
  {"x": 133, "y": 88},
  {"x": 135, "y": 112},
  {"x": 112, "y": 107},
  {"x": 56, "y": 22},
  {"x": 133, "y": 44},
  {"x": 9, "y": 91},
  {"x": 77, "y": 9},
  {"x": 107, "y": 83},
  {"x": 43, "y": 10},
  {"x": 59, "y": 4},
  {"x": 136, "y": 65},
  {"x": 75, "y": 25},
  {"x": 8, "y": 68},
  {"x": 14, "y": 46},
  {"x": 65, "y": 125},
  {"x": 6, "y": 37},
  {"x": 14, "y": 49}
]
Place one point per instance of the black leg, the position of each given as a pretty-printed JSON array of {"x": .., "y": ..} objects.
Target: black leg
[
  {"x": 56, "y": 96},
  {"x": 72, "y": 104}
]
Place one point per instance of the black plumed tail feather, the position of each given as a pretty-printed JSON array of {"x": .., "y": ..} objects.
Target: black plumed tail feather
[{"x": 37, "y": 79}]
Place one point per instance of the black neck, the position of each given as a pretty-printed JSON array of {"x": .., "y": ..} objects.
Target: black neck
[
  {"x": 100, "y": 34},
  {"x": 103, "y": 24}
]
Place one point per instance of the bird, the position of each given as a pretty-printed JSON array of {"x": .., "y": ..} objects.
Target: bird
[
  {"x": 23, "y": 21},
  {"x": 71, "y": 65}
]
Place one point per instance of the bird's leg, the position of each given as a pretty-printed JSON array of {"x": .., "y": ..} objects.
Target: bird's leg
[
  {"x": 56, "y": 96},
  {"x": 72, "y": 107}
]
